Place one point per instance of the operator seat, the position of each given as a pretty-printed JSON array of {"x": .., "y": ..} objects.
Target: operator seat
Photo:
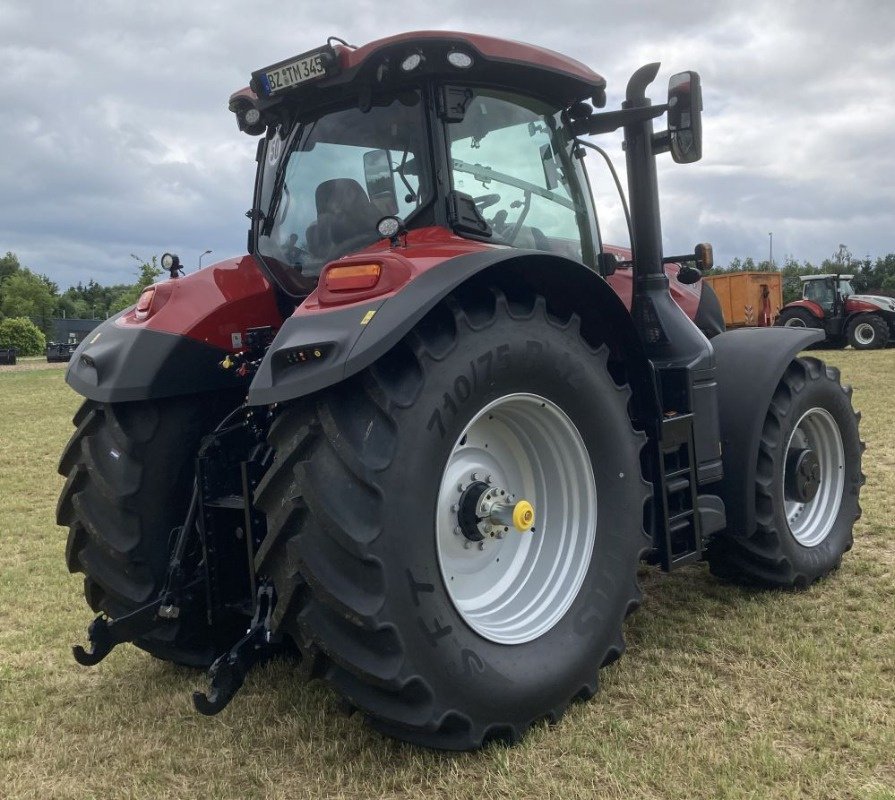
[{"x": 344, "y": 215}]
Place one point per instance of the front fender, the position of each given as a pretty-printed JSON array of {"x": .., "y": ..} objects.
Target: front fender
[
  {"x": 116, "y": 364},
  {"x": 353, "y": 338},
  {"x": 749, "y": 364}
]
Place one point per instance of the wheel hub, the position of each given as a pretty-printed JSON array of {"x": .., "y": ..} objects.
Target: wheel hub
[
  {"x": 486, "y": 511},
  {"x": 802, "y": 475}
]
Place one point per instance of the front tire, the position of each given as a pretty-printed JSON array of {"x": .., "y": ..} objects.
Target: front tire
[
  {"x": 797, "y": 318},
  {"x": 374, "y": 585},
  {"x": 801, "y": 533},
  {"x": 129, "y": 477}
]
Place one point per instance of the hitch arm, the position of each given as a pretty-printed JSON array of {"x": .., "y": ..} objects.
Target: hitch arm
[{"x": 105, "y": 633}]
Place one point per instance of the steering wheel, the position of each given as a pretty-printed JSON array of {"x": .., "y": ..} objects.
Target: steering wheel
[{"x": 485, "y": 200}]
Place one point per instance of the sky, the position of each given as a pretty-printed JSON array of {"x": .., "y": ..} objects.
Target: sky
[{"x": 115, "y": 138}]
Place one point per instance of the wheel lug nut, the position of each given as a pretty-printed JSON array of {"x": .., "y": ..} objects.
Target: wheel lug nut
[
  {"x": 458, "y": 530},
  {"x": 466, "y": 544},
  {"x": 455, "y": 508},
  {"x": 481, "y": 545},
  {"x": 475, "y": 476},
  {"x": 490, "y": 479}
]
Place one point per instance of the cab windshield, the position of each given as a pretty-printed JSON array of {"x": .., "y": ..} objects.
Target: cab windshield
[{"x": 328, "y": 181}]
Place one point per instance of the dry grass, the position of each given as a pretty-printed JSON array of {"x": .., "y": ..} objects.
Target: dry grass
[{"x": 723, "y": 693}]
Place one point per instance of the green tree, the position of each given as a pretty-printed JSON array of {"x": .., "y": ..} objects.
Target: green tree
[
  {"x": 22, "y": 334},
  {"x": 27, "y": 294}
]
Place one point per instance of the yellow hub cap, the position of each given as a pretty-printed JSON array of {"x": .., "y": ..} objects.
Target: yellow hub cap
[{"x": 523, "y": 516}]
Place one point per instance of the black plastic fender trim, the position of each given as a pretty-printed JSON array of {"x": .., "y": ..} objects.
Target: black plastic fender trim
[
  {"x": 749, "y": 363},
  {"x": 115, "y": 364},
  {"x": 354, "y": 338}
]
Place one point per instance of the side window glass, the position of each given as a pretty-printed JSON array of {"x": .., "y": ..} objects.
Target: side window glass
[{"x": 508, "y": 154}]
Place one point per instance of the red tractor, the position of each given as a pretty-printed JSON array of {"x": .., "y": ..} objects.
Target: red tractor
[
  {"x": 829, "y": 303},
  {"x": 416, "y": 436}
]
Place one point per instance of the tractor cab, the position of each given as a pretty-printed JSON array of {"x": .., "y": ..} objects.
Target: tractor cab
[
  {"x": 465, "y": 133},
  {"x": 829, "y": 292}
]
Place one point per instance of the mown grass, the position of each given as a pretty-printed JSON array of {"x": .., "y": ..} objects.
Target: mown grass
[{"x": 723, "y": 693}]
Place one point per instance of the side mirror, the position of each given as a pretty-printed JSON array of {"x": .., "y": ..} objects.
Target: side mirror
[
  {"x": 607, "y": 264},
  {"x": 685, "y": 117},
  {"x": 705, "y": 257},
  {"x": 380, "y": 180}
]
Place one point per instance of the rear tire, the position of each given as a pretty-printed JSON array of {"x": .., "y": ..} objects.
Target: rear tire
[
  {"x": 354, "y": 503},
  {"x": 795, "y": 542},
  {"x": 868, "y": 332},
  {"x": 129, "y": 477}
]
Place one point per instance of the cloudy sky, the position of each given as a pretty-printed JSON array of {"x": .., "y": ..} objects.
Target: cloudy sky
[{"x": 115, "y": 136}]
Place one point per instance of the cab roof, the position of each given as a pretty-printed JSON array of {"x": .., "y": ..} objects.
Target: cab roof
[
  {"x": 499, "y": 63},
  {"x": 804, "y": 278}
]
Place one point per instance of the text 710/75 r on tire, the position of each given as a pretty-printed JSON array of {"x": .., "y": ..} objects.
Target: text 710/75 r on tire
[{"x": 442, "y": 638}]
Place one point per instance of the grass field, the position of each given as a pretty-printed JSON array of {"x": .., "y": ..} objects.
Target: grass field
[{"x": 723, "y": 693}]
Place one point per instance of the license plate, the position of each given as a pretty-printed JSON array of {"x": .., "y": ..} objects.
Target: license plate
[{"x": 293, "y": 73}]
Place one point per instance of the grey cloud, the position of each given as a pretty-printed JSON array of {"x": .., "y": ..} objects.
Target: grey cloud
[{"x": 116, "y": 138}]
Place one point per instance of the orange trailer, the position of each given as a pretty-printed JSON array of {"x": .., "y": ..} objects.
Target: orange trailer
[{"x": 748, "y": 299}]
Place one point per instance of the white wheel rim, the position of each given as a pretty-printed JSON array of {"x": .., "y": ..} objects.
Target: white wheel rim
[
  {"x": 864, "y": 333},
  {"x": 795, "y": 322},
  {"x": 810, "y": 523},
  {"x": 519, "y": 586}
]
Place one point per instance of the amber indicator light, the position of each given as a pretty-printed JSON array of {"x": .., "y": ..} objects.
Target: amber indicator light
[{"x": 352, "y": 277}]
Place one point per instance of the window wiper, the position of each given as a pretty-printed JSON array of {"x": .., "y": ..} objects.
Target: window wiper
[{"x": 279, "y": 181}]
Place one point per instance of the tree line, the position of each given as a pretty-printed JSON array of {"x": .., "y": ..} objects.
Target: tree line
[
  {"x": 29, "y": 301},
  {"x": 29, "y": 295}
]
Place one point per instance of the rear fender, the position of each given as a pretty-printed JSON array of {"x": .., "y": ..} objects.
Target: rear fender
[
  {"x": 749, "y": 364},
  {"x": 315, "y": 351}
]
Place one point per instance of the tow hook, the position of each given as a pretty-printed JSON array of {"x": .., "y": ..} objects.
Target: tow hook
[{"x": 228, "y": 673}]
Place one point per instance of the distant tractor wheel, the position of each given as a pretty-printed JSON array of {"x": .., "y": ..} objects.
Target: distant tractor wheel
[
  {"x": 129, "y": 471},
  {"x": 797, "y": 318},
  {"x": 807, "y": 485},
  {"x": 868, "y": 332},
  {"x": 454, "y": 534}
]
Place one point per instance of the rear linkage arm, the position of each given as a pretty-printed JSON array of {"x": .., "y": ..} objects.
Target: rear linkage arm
[{"x": 105, "y": 633}]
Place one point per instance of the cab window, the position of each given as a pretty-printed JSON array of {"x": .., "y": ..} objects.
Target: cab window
[{"x": 511, "y": 155}]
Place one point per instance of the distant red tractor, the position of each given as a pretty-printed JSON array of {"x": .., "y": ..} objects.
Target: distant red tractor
[{"x": 829, "y": 302}]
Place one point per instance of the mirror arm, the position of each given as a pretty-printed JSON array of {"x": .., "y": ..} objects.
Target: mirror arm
[
  {"x": 613, "y": 120},
  {"x": 661, "y": 142}
]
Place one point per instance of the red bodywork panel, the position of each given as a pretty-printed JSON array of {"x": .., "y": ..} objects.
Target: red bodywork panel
[
  {"x": 212, "y": 304},
  {"x": 428, "y": 247},
  {"x": 854, "y": 306},
  {"x": 500, "y": 50},
  {"x": 230, "y": 297},
  {"x": 488, "y": 46},
  {"x": 810, "y": 305},
  {"x": 622, "y": 281}
]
